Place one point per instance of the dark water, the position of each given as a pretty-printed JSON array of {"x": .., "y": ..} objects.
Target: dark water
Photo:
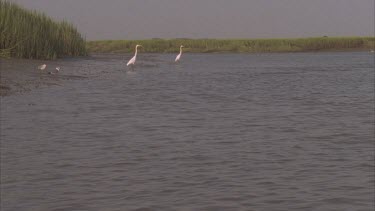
[{"x": 216, "y": 132}]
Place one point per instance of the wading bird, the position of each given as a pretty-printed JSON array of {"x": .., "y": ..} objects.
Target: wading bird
[
  {"x": 57, "y": 70},
  {"x": 132, "y": 60},
  {"x": 179, "y": 55},
  {"x": 42, "y": 67}
]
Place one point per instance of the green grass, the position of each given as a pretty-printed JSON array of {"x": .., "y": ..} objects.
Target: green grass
[
  {"x": 235, "y": 45},
  {"x": 33, "y": 35}
]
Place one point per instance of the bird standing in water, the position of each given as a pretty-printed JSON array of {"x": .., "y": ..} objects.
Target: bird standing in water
[
  {"x": 131, "y": 62},
  {"x": 178, "y": 57}
]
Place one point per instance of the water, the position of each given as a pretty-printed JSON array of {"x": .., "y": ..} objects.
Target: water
[{"x": 215, "y": 132}]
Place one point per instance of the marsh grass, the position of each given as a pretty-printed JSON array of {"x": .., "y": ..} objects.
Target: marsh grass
[
  {"x": 33, "y": 35},
  {"x": 235, "y": 45}
]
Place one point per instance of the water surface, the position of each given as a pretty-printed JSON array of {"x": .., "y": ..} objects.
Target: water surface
[{"x": 215, "y": 132}]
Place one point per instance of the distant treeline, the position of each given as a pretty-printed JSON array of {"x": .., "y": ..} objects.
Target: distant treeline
[
  {"x": 235, "y": 45},
  {"x": 33, "y": 35}
]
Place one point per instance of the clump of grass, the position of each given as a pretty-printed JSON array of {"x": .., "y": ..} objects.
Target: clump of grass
[
  {"x": 235, "y": 45},
  {"x": 33, "y": 35}
]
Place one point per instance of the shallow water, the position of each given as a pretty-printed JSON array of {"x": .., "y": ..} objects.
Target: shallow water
[{"x": 215, "y": 132}]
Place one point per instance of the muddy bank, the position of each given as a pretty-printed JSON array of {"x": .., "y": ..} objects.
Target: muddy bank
[{"x": 20, "y": 75}]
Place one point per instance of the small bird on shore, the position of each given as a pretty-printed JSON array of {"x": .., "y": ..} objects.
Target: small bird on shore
[
  {"x": 178, "y": 57},
  {"x": 57, "y": 71},
  {"x": 132, "y": 60},
  {"x": 42, "y": 67}
]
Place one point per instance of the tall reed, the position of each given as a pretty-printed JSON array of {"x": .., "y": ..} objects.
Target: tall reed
[{"x": 33, "y": 35}]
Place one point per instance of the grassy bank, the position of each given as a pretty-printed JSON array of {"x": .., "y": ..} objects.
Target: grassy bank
[
  {"x": 33, "y": 35},
  {"x": 232, "y": 45}
]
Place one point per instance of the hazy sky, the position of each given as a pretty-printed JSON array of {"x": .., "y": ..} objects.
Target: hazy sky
[{"x": 142, "y": 19}]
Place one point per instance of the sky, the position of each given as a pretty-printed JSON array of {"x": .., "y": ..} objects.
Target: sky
[{"x": 146, "y": 19}]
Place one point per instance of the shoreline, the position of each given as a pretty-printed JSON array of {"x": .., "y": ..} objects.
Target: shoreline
[
  {"x": 233, "y": 52},
  {"x": 313, "y": 44},
  {"x": 244, "y": 52}
]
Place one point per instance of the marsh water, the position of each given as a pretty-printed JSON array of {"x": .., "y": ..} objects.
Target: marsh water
[{"x": 291, "y": 131}]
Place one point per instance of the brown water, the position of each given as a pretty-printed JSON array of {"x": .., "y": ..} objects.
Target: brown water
[{"x": 215, "y": 132}]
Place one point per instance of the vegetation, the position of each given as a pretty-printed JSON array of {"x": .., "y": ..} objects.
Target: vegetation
[
  {"x": 29, "y": 34},
  {"x": 240, "y": 45}
]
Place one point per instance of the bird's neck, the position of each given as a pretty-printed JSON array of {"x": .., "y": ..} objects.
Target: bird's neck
[
  {"x": 180, "y": 50},
  {"x": 136, "y": 51}
]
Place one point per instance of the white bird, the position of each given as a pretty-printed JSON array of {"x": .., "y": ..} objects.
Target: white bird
[
  {"x": 57, "y": 70},
  {"x": 179, "y": 55},
  {"x": 42, "y": 67},
  {"x": 132, "y": 60}
]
